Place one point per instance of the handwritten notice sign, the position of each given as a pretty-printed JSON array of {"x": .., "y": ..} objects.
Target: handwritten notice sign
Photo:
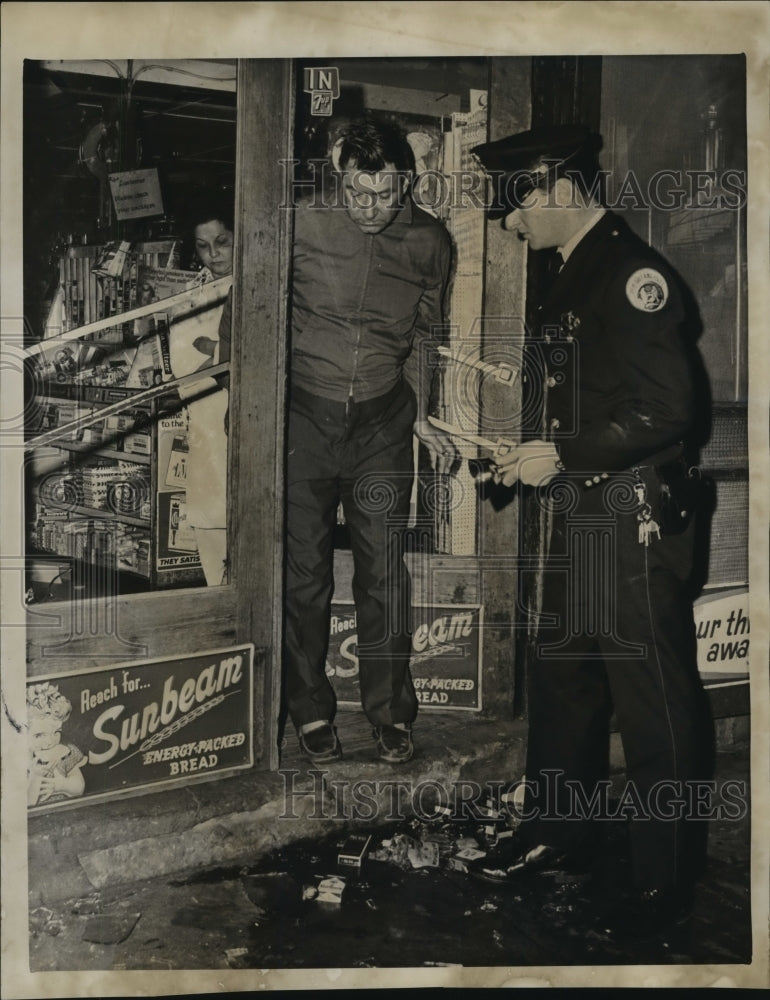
[
  {"x": 445, "y": 661},
  {"x": 722, "y": 629},
  {"x": 95, "y": 734},
  {"x": 136, "y": 194}
]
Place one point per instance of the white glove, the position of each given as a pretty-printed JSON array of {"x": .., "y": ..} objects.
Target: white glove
[{"x": 535, "y": 463}]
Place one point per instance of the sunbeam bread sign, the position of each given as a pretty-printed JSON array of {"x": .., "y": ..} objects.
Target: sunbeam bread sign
[
  {"x": 99, "y": 733},
  {"x": 445, "y": 661}
]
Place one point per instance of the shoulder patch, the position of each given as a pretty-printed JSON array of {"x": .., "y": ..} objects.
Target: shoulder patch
[{"x": 647, "y": 290}]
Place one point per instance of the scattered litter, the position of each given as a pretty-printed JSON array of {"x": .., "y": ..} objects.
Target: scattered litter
[
  {"x": 235, "y": 957},
  {"x": 395, "y": 850},
  {"x": 86, "y": 905},
  {"x": 423, "y": 855},
  {"x": 38, "y": 918},
  {"x": 497, "y": 937},
  {"x": 106, "y": 929},
  {"x": 309, "y": 892},
  {"x": 371, "y": 904},
  {"x": 489, "y": 907},
  {"x": 470, "y": 854},
  {"x": 42, "y": 919}
]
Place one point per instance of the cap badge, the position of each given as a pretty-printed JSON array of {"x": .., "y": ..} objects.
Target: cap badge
[{"x": 647, "y": 290}]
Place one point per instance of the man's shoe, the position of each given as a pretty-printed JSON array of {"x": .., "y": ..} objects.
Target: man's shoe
[
  {"x": 393, "y": 744},
  {"x": 649, "y": 912},
  {"x": 321, "y": 744}
]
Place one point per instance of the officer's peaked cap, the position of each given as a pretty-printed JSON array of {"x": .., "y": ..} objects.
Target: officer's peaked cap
[{"x": 520, "y": 162}]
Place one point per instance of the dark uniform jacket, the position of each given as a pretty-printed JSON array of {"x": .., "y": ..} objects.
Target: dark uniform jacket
[{"x": 618, "y": 382}]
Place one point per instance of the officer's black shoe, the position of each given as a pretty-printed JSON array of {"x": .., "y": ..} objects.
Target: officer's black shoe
[
  {"x": 321, "y": 744},
  {"x": 649, "y": 912},
  {"x": 539, "y": 860},
  {"x": 393, "y": 744}
]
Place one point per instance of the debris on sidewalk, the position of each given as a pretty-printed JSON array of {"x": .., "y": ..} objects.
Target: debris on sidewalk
[
  {"x": 394, "y": 850},
  {"x": 43, "y": 919},
  {"x": 86, "y": 905},
  {"x": 38, "y": 918}
]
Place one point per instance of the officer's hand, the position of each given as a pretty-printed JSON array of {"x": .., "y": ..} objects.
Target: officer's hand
[
  {"x": 535, "y": 463},
  {"x": 442, "y": 449}
]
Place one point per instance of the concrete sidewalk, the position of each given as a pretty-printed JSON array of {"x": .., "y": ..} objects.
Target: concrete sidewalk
[
  {"x": 235, "y": 820},
  {"x": 249, "y": 912}
]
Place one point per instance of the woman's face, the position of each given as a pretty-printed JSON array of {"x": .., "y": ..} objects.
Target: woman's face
[
  {"x": 44, "y": 732},
  {"x": 214, "y": 246}
]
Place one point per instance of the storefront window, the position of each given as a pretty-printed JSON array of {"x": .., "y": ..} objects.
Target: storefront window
[{"x": 129, "y": 179}]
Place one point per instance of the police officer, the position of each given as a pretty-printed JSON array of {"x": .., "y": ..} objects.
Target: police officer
[{"x": 614, "y": 370}]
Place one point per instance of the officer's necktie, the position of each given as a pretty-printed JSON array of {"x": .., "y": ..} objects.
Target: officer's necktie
[{"x": 555, "y": 264}]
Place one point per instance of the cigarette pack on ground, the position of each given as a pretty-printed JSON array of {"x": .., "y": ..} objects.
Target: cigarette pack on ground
[
  {"x": 353, "y": 851},
  {"x": 330, "y": 890},
  {"x": 424, "y": 855},
  {"x": 470, "y": 854}
]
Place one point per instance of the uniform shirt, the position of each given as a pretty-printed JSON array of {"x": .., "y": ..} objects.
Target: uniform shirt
[
  {"x": 364, "y": 304},
  {"x": 619, "y": 381}
]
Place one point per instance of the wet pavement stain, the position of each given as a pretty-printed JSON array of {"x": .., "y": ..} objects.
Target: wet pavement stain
[
  {"x": 414, "y": 902},
  {"x": 391, "y": 914}
]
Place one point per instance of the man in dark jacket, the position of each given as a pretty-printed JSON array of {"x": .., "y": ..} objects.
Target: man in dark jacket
[
  {"x": 616, "y": 383},
  {"x": 369, "y": 277}
]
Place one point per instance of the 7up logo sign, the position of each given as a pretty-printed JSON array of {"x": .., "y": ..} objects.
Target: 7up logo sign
[{"x": 323, "y": 85}]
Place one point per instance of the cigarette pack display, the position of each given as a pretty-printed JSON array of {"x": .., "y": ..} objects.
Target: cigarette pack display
[{"x": 137, "y": 444}]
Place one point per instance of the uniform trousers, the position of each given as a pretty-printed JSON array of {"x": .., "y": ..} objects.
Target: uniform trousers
[
  {"x": 617, "y": 634},
  {"x": 359, "y": 454}
]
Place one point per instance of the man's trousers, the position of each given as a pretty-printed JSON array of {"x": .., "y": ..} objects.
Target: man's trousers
[{"x": 359, "y": 454}]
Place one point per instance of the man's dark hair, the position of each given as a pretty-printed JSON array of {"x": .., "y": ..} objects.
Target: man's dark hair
[{"x": 371, "y": 144}]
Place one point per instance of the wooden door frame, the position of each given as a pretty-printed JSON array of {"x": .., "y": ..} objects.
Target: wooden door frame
[{"x": 266, "y": 105}]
